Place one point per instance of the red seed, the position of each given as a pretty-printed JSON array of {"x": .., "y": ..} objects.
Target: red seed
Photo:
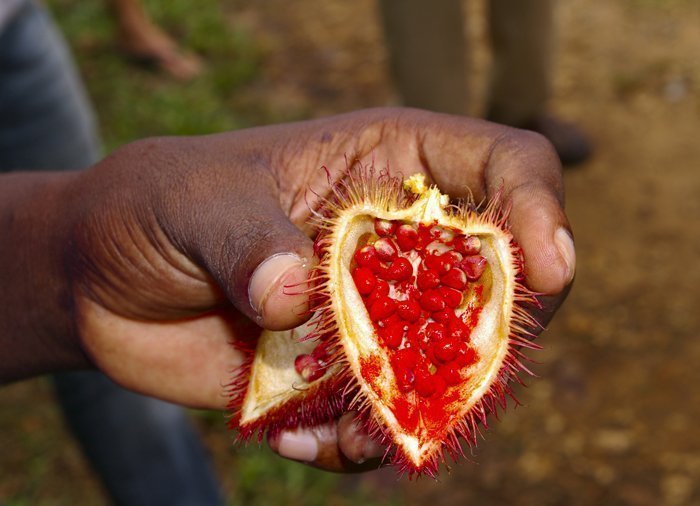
[
  {"x": 405, "y": 358},
  {"x": 466, "y": 355},
  {"x": 457, "y": 329},
  {"x": 320, "y": 352},
  {"x": 413, "y": 293},
  {"x": 432, "y": 301},
  {"x": 381, "y": 289},
  {"x": 446, "y": 262},
  {"x": 453, "y": 256},
  {"x": 427, "y": 279},
  {"x": 452, "y": 297},
  {"x": 405, "y": 378},
  {"x": 364, "y": 280},
  {"x": 439, "y": 263},
  {"x": 455, "y": 278},
  {"x": 400, "y": 270},
  {"x": 392, "y": 320},
  {"x": 432, "y": 262},
  {"x": 392, "y": 336},
  {"x": 384, "y": 228},
  {"x": 437, "y": 248},
  {"x": 450, "y": 373},
  {"x": 382, "y": 272},
  {"x": 382, "y": 308},
  {"x": 441, "y": 233},
  {"x": 367, "y": 257},
  {"x": 424, "y": 383},
  {"x": 413, "y": 334},
  {"x": 406, "y": 237},
  {"x": 445, "y": 350},
  {"x": 470, "y": 245},
  {"x": 423, "y": 341},
  {"x": 386, "y": 249},
  {"x": 443, "y": 316},
  {"x": 408, "y": 310},
  {"x": 440, "y": 385},
  {"x": 473, "y": 266},
  {"x": 435, "y": 331},
  {"x": 308, "y": 367}
]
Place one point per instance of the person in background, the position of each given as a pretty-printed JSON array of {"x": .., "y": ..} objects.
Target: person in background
[
  {"x": 145, "y": 451},
  {"x": 428, "y": 54}
]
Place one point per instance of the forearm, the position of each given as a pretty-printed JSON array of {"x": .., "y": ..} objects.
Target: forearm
[{"x": 36, "y": 318}]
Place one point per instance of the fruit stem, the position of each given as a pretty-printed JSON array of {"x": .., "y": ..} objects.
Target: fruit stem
[{"x": 430, "y": 199}]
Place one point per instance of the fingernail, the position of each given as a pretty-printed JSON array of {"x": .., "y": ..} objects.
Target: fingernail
[
  {"x": 267, "y": 276},
  {"x": 565, "y": 245},
  {"x": 298, "y": 445}
]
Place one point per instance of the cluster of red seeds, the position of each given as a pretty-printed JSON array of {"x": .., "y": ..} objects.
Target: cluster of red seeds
[
  {"x": 311, "y": 366},
  {"x": 413, "y": 281}
]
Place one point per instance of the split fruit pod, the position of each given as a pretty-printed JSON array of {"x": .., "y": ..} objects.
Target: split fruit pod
[{"x": 419, "y": 322}]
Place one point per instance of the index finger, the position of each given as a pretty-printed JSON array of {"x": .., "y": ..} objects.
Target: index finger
[{"x": 525, "y": 168}]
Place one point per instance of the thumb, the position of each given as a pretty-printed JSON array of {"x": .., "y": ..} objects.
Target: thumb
[
  {"x": 276, "y": 291},
  {"x": 259, "y": 258}
]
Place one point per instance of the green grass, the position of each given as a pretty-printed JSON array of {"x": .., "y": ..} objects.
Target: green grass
[
  {"x": 265, "y": 479},
  {"x": 134, "y": 102}
]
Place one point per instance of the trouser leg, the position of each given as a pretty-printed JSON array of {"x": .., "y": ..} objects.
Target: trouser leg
[
  {"x": 145, "y": 450},
  {"x": 427, "y": 50},
  {"x": 522, "y": 38},
  {"x": 46, "y": 122}
]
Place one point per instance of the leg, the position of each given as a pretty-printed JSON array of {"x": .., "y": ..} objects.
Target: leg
[
  {"x": 144, "y": 450},
  {"x": 522, "y": 41},
  {"x": 521, "y": 35},
  {"x": 145, "y": 41},
  {"x": 46, "y": 122},
  {"x": 426, "y": 42}
]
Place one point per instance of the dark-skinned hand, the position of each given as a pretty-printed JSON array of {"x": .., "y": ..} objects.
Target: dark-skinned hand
[{"x": 161, "y": 255}]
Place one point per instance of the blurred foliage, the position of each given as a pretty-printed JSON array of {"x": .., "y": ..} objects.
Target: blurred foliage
[
  {"x": 261, "y": 478},
  {"x": 134, "y": 101},
  {"x": 264, "y": 479}
]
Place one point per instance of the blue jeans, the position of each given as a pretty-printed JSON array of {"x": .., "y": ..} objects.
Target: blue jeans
[{"x": 145, "y": 451}]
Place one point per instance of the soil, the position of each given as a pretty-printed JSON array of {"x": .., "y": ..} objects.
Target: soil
[{"x": 611, "y": 418}]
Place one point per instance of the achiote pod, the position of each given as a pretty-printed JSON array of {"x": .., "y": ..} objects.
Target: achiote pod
[{"x": 419, "y": 324}]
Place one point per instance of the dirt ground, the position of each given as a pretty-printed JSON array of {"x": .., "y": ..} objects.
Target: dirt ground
[{"x": 612, "y": 417}]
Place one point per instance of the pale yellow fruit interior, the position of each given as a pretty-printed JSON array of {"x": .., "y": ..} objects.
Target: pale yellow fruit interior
[{"x": 273, "y": 379}]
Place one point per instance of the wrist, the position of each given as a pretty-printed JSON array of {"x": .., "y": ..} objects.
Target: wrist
[{"x": 37, "y": 330}]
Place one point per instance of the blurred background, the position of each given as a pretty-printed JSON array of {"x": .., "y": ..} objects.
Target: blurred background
[{"x": 612, "y": 417}]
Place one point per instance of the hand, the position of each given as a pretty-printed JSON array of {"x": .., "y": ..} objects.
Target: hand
[{"x": 178, "y": 244}]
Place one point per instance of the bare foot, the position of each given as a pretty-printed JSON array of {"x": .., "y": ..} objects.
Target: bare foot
[{"x": 144, "y": 41}]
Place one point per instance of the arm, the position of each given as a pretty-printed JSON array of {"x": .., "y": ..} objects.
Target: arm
[{"x": 37, "y": 332}]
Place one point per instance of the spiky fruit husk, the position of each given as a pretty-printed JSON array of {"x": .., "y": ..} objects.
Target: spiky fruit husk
[{"x": 425, "y": 360}]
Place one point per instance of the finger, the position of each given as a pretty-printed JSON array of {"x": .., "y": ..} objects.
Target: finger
[
  {"x": 354, "y": 442},
  {"x": 478, "y": 159},
  {"x": 260, "y": 259},
  {"x": 325, "y": 446},
  {"x": 527, "y": 169},
  {"x": 540, "y": 227}
]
